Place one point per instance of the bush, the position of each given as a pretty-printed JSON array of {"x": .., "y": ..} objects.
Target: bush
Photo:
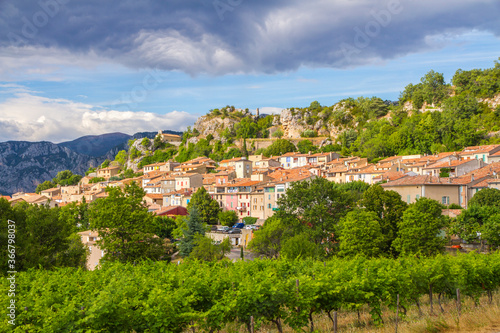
[
  {"x": 96, "y": 180},
  {"x": 228, "y": 218},
  {"x": 309, "y": 134}
]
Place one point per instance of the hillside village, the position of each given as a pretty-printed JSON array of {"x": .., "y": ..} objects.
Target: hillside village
[
  {"x": 251, "y": 186},
  {"x": 439, "y": 141}
]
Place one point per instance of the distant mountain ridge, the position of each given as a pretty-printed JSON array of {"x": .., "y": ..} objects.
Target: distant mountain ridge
[
  {"x": 96, "y": 145},
  {"x": 24, "y": 165}
]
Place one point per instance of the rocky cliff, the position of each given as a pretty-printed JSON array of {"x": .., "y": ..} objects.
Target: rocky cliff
[
  {"x": 24, "y": 165},
  {"x": 213, "y": 125}
]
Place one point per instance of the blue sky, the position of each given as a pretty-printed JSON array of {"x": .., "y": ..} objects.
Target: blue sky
[{"x": 73, "y": 68}]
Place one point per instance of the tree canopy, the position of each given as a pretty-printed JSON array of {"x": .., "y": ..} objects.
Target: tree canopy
[
  {"x": 207, "y": 207},
  {"x": 126, "y": 228},
  {"x": 420, "y": 230}
]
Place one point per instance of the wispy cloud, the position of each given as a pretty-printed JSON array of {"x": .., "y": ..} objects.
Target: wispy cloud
[{"x": 29, "y": 117}]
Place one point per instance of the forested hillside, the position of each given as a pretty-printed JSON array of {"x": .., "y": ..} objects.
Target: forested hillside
[{"x": 431, "y": 116}]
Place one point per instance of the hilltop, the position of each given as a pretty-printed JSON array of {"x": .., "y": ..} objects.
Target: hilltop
[{"x": 430, "y": 117}]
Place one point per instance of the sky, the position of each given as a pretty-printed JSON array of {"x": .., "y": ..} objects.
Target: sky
[{"x": 70, "y": 68}]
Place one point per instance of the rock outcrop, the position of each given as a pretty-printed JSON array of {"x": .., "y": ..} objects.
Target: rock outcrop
[
  {"x": 292, "y": 123},
  {"x": 206, "y": 125}
]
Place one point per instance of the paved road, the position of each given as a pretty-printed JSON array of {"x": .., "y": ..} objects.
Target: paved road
[{"x": 235, "y": 254}]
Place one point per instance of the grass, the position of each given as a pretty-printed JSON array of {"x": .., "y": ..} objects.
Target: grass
[{"x": 483, "y": 318}]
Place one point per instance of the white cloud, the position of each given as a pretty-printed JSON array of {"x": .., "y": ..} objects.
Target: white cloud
[{"x": 34, "y": 118}]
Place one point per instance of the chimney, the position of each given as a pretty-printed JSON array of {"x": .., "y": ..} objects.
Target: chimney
[
  {"x": 449, "y": 162},
  {"x": 472, "y": 177},
  {"x": 257, "y": 112}
]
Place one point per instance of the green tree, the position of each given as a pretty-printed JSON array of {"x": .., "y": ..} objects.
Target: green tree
[
  {"x": 43, "y": 239},
  {"x": 96, "y": 180},
  {"x": 134, "y": 153},
  {"x": 490, "y": 231},
  {"x": 361, "y": 234},
  {"x": 278, "y": 133},
  {"x": 164, "y": 226},
  {"x": 268, "y": 239},
  {"x": 305, "y": 146},
  {"x": 158, "y": 143},
  {"x": 145, "y": 142},
  {"x": 194, "y": 226},
  {"x": 232, "y": 153},
  {"x": 202, "y": 148},
  {"x": 44, "y": 186},
  {"x": 65, "y": 178},
  {"x": 280, "y": 147},
  {"x": 469, "y": 224},
  {"x": 105, "y": 164},
  {"x": 126, "y": 227},
  {"x": 121, "y": 157},
  {"x": 315, "y": 207},
  {"x": 389, "y": 209},
  {"x": 77, "y": 214},
  {"x": 207, "y": 207},
  {"x": 300, "y": 247},
  {"x": 246, "y": 128},
  {"x": 420, "y": 230},
  {"x": 228, "y": 218},
  {"x": 486, "y": 197},
  {"x": 89, "y": 171},
  {"x": 205, "y": 249}
]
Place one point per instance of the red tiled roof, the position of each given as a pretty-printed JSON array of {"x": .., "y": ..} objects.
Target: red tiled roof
[
  {"x": 478, "y": 149},
  {"x": 392, "y": 175},
  {"x": 478, "y": 173},
  {"x": 418, "y": 180},
  {"x": 447, "y": 164},
  {"x": 154, "y": 195},
  {"x": 295, "y": 178}
]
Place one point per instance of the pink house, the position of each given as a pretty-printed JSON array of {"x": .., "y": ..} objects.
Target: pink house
[{"x": 231, "y": 201}]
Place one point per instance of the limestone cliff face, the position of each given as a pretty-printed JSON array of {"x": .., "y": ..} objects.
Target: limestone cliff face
[
  {"x": 293, "y": 124},
  {"x": 24, "y": 165},
  {"x": 213, "y": 125}
]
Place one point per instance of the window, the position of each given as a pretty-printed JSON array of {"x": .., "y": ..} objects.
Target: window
[
  {"x": 408, "y": 198},
  {"x": 231, "y": 205},
  {"x": 269, "y": 197},
  {"x": 268, "y": 205},
  {"x": 417, "y": 196},
  {"x": 187, "y": 200},
  {"x": 247, "y": 196},
  {"x": 445, "y": 200}
]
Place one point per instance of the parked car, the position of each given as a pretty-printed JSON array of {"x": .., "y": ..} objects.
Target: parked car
[
  {"x": 239, "y": 225},
  {"x": 234, "y": 231},
  {"x": 223, "y": 228},
  {"x": 252, "y": 227}
]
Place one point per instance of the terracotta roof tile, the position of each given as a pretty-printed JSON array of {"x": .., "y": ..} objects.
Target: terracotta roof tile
[
  {"x": 478, "y": 149},
  {"x": 447, "y": 164},
  {"x": 418, "y": 180}
]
